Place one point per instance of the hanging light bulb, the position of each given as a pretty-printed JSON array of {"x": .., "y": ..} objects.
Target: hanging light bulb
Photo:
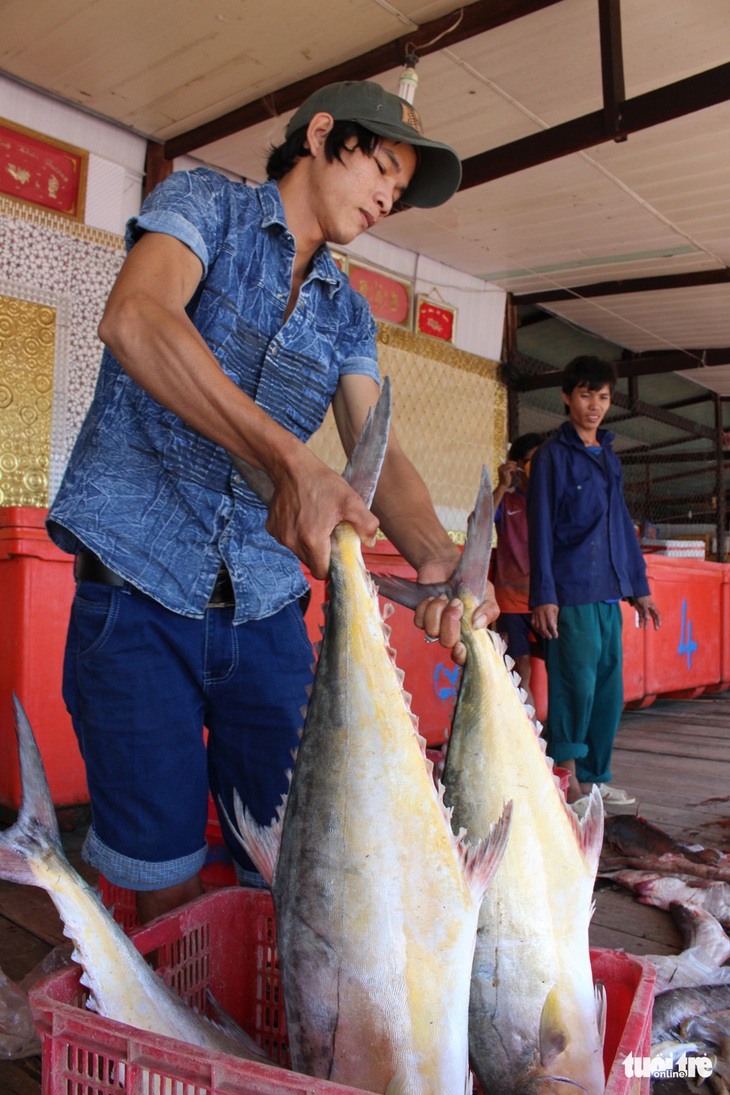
[{"x": 409, "y": 79}]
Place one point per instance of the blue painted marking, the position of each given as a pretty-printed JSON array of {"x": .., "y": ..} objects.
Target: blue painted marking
[
  {"x": 452, "y": 676},
  {"x": 687, "y": 645}
]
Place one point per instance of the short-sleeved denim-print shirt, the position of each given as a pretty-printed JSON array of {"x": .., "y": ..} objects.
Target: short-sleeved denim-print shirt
[{"x": 158, "y": 502}]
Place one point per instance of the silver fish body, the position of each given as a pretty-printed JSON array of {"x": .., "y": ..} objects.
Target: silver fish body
[
  {"x": 123, "y": 986},
  {"x": 534, "y": 1017},
  {"x": 376, "y": 900}
]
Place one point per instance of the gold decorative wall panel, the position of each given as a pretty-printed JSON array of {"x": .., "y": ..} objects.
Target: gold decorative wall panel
[
  {"x": 27, "y": 346},
  {"x": 449, "y": 411}
]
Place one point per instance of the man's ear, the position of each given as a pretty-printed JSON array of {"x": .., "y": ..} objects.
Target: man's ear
[{"x": 317, "y": 132}]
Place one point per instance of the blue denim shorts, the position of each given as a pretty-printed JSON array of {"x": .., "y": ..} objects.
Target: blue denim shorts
[{"x": 141, "y": 683}]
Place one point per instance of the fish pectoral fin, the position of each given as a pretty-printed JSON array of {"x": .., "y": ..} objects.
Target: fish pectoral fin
[
  {"x": 480, "y": 861},
  {"x": 601, "y": 1009},
  {"x": 398, "y": 1085},
  {"x": 553, "y": 1035},
  {"x": 260, "y": 844}
]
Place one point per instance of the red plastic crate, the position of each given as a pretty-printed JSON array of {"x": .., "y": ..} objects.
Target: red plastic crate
[{"x": 226, "y": 941}]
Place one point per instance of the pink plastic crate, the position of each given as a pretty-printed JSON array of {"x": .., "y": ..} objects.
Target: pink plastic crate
[{"x": 226, "y": 941}]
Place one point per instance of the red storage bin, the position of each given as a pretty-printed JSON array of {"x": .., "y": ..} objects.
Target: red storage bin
[
  {"x": 684, "y": 656},
  {"x": 724, "y": 683},
  {"x": 431, "y": 678},
  {"x": 36, "y": 590},
  {"x": 634, "y": 657},
  {"x": 226, "y": 942}
]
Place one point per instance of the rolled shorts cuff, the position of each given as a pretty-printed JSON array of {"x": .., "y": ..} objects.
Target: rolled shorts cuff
[
  {"x": 136, "y": 874},
  {"x": 250, "y": 879}
]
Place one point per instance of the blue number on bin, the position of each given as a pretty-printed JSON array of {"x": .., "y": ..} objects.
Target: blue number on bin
[
  {"x": 452, "y": 676},
  {"x": 687, "y": 645}
]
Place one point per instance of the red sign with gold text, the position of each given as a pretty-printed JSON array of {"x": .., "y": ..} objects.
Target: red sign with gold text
[
  {"x": 36, "y": 169},
  {"x": 389, "y": 299},
  {"x": 436, "y": 320}
]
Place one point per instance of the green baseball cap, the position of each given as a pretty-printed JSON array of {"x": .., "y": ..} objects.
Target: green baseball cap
[{"x": 438, "y": 173}]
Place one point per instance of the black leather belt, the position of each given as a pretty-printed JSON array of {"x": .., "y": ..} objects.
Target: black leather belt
[
  {"x": 88, "y": 567},
  {"x": 222, "y": 595}
]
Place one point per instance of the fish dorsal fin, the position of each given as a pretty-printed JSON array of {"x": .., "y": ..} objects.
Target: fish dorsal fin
[
  {"x": 481, "y": 860},
  {"x": 260, "y": 842},
  {"x": 225, "y": 1022},
  {"x": 553, "y": 1034}
]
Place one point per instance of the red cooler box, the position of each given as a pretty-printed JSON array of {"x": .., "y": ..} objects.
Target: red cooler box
[
  {"x": 431, "y": 678},
  {"x": 36, "y": 590},
  {"x": 634, "y": 658},
  {"x": 684, "y": 656},
  {"x": 724, "y": 683}
]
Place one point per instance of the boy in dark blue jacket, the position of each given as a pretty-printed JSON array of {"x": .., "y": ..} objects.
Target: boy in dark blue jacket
[{"x": 584, "y": 559}]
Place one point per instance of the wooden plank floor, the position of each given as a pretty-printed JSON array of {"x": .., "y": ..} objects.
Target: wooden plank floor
[{"x": 675, "y": 756}]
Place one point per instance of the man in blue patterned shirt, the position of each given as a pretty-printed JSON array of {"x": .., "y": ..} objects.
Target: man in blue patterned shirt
[{"x": 230, "y": 327}]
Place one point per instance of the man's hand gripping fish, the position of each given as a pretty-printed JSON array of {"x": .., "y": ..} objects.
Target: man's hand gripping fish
[
  {"x": 535, "y": 1020},
  {"x": 376, "y": 900},
  {"x": 122, "y": 984}
]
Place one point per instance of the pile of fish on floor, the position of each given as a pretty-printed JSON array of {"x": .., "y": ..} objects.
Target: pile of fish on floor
[
  {"x": 424, "y": 929},
  {"x": 691, "y": 1015}
]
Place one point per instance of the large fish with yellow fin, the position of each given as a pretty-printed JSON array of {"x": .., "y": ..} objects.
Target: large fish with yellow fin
[
  {"x": 376, "y": 900},
  {"x": 535, "y": 1019}
]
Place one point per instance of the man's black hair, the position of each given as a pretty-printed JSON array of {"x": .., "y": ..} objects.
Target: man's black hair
[
  {"x": 588, "y": 372},
  {"x": 283, "y": 157},
  {"x": 523, "y": 444}
]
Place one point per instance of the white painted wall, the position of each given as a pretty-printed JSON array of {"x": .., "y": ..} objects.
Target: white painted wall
[{"x": 116, "y": 156}]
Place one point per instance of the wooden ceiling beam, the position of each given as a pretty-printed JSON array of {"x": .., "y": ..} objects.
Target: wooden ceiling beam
[
  {"x": 686, "y": 96},
  {"x": 620, "y": 286},
  {"x": 670, "y": 361},
  {"x": 475, "y": 18},
  {"x": 612, "y": 65}
]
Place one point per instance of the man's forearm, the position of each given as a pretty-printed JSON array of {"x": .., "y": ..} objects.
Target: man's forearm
[{"x": 407, "y": 517}]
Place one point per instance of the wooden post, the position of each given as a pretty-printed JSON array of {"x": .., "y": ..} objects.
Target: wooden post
[{"x": 156, "y": 167}]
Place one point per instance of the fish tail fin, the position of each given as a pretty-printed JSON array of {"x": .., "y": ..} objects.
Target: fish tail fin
[
  {"x": 363, "y": 468},
  {"x": 260, "y": 842},
  {"x": 37, "y": 825},
  {"x": 473, "y": 568},
  {"x": 481, "y": 860}
]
